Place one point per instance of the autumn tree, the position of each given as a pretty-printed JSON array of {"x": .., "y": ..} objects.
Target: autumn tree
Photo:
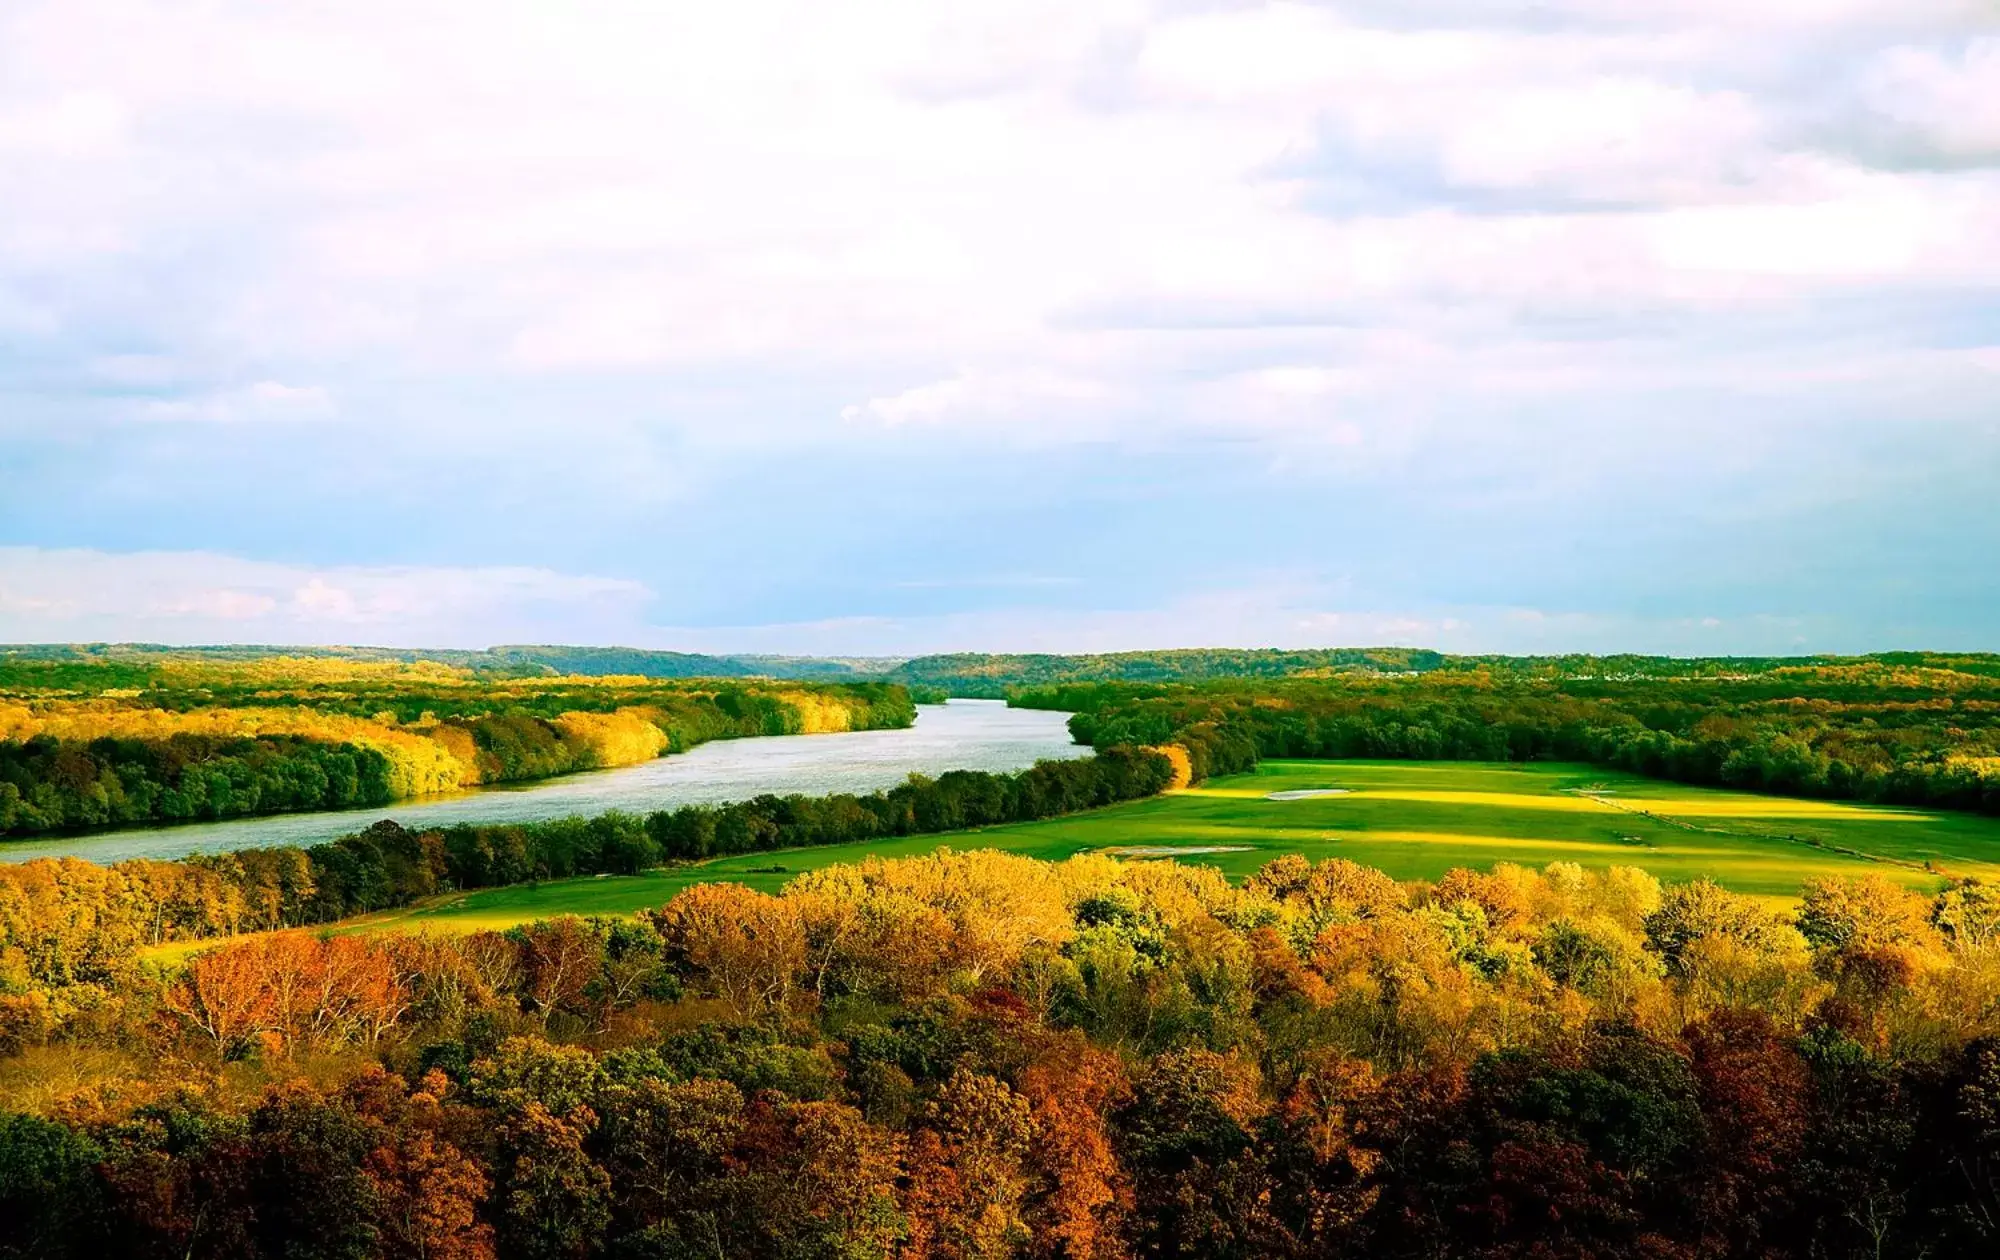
[
  {"x": 1081, "y": 1205},
  {"x": 968, "y": 1174},
  {"x": 1189, "y": 1134},
  {"x": 555, "y": 1200},
  {"x": 430, "y": 1195},
  {"x": 748, "y": 946}
]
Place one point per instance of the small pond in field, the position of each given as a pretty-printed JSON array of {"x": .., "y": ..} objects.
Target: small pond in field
[{"x": 959, "y": 735}]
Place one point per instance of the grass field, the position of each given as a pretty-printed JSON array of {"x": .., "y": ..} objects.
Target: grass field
[{"x": 1415, "y": 820}]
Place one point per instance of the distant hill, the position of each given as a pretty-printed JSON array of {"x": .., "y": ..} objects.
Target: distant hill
[
  {"x": 597, "y": 661},
  {"x": 960, "y": 673},
  {"x": 990, "y": 674},
  {"x": 514, "y": 659},
  {"x": 986, "y": 674},
  {"x": 829, "y": 667}
]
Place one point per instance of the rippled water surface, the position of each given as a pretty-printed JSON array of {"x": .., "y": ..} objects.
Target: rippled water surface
[{"x": 960, "y": 735}]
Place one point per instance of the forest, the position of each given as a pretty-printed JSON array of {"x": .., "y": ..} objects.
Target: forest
[
  {"x": 981, "y": 1055},
  {"x": 102, "y": 736},
  {"x": 72, "y": 932},
  {"x": 166, "y": 738},
  {"x": 505, "y": 661},
  {"x": 984, "y": 675},
  {"x": 990, "y": 676},
  {"x": 1883, "y": 730},
  {"x": 976, "y": 1055},
  {"x": 994, "y": 675}
]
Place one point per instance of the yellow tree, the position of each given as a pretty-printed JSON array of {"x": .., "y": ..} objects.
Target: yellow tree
[
  {"x": 968, "y": 1172},
  {"x": 1083, "y": 1197},
  {"x": 223, "y": 997},
  {"x": 748, "y": 945},
  {"x": 429, "y": 1195}
]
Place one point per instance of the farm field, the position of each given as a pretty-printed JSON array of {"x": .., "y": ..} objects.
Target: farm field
[{"x": 1414, "y": 820}]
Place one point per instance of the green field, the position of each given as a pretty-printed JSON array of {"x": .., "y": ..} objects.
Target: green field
[{"x": 1414, "y": 820}]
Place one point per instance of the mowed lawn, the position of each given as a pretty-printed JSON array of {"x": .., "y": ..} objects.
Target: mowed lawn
[{"x": 1415, "y": 820}]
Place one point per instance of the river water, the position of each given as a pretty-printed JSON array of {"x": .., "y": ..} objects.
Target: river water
[{"x": 957, "y": 735}]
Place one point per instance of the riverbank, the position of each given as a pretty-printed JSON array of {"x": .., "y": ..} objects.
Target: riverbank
[{"x": 959, "y": 735}]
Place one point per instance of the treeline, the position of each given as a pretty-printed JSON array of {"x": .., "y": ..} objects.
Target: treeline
[
  {"x": 989, "y": 675},
  {"x": 97, "y": 665},
  {"x": 1876, "y": 735},
  {"x": 48, "y": 784},
  {"x": 977, "y": 1055},
  {"x": 411, "y": 691},
  {"x": 66, "y": 765},
  {"x": 94, "y": 663},
  {"x": 992, "y": 675},
  {"x": 92, "y": 667},
  {"x": 70, "y": 931}
]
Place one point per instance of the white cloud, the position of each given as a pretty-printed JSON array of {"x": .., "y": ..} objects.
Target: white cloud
[
  {"x": 1945, "y": 102},
  {"x": 78, "y": 125},
  {"x": 258, "y": 402},
  {"x": 1030, "y": 400},
  {"x": 1619, "y": 140},
  {"x": 1798, "y": 16},
  {"x": 53, "y": 595},
  {"x": 783, "y": 186},
  {"x": 1276, "y": 613},
  {"x": 214, "y": 606},
  {"x": 621, "y": 245}
]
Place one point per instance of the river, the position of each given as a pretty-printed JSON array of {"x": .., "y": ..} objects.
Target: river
[{"x": 957, "y": 735}]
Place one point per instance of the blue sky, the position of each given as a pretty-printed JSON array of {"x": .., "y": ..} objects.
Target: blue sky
[{"x": 899, "y": 327}]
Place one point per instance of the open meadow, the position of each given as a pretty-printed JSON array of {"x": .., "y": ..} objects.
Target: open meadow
[{"x": 1414, "y": 820}]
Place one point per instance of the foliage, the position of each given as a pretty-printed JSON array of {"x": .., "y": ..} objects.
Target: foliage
[
  {"x": 1873, "y": 729},
  {"x": 68, "y": 928},
  {"x": 990, "y": 676},
  {"x": 983, "y": 1055},
  {"x": 199, "y": 739}
]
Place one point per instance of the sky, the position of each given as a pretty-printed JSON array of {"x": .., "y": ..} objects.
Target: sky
[{"x": 889, "y": 327}]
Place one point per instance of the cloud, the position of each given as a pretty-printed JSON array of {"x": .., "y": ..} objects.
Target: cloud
[
  {"x": 613, "y": 289},
  {"x": 74, "y": 125},
  {"x": 1281, "y": 614},
  {"x": 55, "y": 595},
  {"x": 1595, "y": 144},
  {"x": 260, "y": 402},
  {"x": 727, "y": 191},
  {"x": 1796, "y": 16},
  {"x": 1031, "y": 399},
  {"x": 1935, "y": 106}
]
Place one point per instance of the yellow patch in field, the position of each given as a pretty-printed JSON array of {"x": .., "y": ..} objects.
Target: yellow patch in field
[
  {"x": 461, "y": 925},
  {"x": 1762, "y": 807},
  {"x": 1502, "y": 800},
  {"x": 1473, "y": 840}
]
